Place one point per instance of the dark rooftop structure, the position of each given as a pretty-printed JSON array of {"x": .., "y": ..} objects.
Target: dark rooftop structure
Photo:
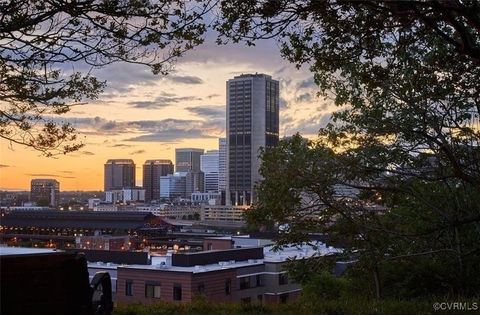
[
  {"x": 215, "y": 256},
  {"x": 78, "y": 219}
]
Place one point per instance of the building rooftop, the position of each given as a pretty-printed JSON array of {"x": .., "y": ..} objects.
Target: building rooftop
[
  {"x": 120, "y": 161},
  {"x": 158, "y": 162},
  {"x": 77, "y": 219},
  {"x": 8, "y": 251},
  {"x": 270, "y": 256},
  {"x": 249, "y": 75}
]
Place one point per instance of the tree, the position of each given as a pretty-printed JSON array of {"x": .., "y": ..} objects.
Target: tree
[
  {"x": 41, "y": 40},
  {"x": 405, "y": 138}
]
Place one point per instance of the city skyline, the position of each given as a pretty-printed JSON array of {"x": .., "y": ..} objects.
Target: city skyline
[{"x": 149, "y": 119}]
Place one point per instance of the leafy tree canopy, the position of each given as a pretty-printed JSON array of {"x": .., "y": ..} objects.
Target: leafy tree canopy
[
  {"x": 394, "y": 178},
  {"x": 42, "y": 40}
]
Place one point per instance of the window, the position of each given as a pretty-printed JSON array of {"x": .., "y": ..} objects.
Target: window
[
  {"x": 152, "y": 291},
  {"x": 259, "y": 280},
  {"x": 177, "y": 292},
  {"x": 128, "y": 288},
  {"x": 244, "y": 283},
  {"x": 228, "y": 287},
  {"x": 283, "y": 278}
]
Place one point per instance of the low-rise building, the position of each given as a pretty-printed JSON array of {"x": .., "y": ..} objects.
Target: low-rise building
[
  {"x": 223, "y": 213},
  {"x": 186, "y": 211},
  {"x": 125, "y": 195},
  {"x": 248, "y": 275}
]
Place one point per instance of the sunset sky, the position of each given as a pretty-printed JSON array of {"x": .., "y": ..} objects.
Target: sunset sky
[{"x": 142, "y": 116}]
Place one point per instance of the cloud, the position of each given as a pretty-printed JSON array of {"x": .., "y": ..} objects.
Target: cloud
[
  {"x": 212, "y": 96},
  {"x": 187, "y": 79},
  {"x": 121, "y": 145},
  {"x": 307, "y": 84},
  {"x": 174, "y": 130},
  {"x": 87, "y": 153},
  {"x": 147, "y": 104},
  {"x": 168, "y": 130},
  {"x": 48, "y": 175},
  {"x": 209, "y": 111},
  {"x": 137, "y": 152},
  {"x": 172, "y": 135},
  {"x": 283, "y": 103},
  {"x": 66, "y": 172},
  {"x": 161, "y": 101},
  {"x": 4, "y": 165},
  {"x": 305, "y": 97}
]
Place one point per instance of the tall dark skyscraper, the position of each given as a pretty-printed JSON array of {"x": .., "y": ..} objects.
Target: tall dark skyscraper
[
  {"x": 119, "y": 173},
  {"x": 45, "y": 192},
  {"x": 187, "y": 159},
  {"x": 252, "y": 123},
  {"x": 152, "y": 170}
]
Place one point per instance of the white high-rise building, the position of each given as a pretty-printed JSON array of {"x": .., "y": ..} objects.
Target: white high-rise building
[
  {"x": 252, "y": 123},
  {"x": 209, "y": 165}
]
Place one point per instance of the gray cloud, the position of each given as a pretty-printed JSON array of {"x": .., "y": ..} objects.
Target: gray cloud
[
  {"x": 172, "y": 135},
  {"x": 212, "y": 96},
  {"x": 168, "y": 130},
  {"x": 307, "y": 84},
  {"x": 212, "y": 111},
  {"x": 48, "y": 175},
  {"x": 187, "y": 79},
  {"x": 305, "y": 97},
  {"x": 4, "y": 165},
  {"x": 87, "y": 153},
  {"x": 173, "y": 130},
  {"x": 137, "y": 152},
  {"x": 66, "y": 172},
  {"x": 163, "y": 100},
  {"x": 283, "y": 103},
  {"x": 121, "y": 145}
]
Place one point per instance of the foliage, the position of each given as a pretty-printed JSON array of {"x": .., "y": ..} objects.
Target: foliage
[
  {"x": 395, "y": 177},
  {"x": 47, "y": 49},
  {"x": 320, "y": 307}
]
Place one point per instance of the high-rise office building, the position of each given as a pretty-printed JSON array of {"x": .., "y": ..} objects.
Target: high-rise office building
[
  {"x": 194, "y": 183},
  {"x": 187, "y": 159},
  {"x": 222, "y": 164},
  {"x": 119, "y": 173},
  {"x": 152, "y": 170},
  {"x": 45, "y": 192},
  {"x": 173, "y": 186},
  {"x": 252, "y": 123},
  {"x": 209, "y": 164}
]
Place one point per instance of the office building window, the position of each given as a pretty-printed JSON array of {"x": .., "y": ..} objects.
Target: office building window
[
  {"x": 128, "y": 288},
  {"x": 283, "y": 278},
  {"x": 177, "y": 292},
  {"x": 152, "y": 290},
  {"x": 228, "y": 287}
]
